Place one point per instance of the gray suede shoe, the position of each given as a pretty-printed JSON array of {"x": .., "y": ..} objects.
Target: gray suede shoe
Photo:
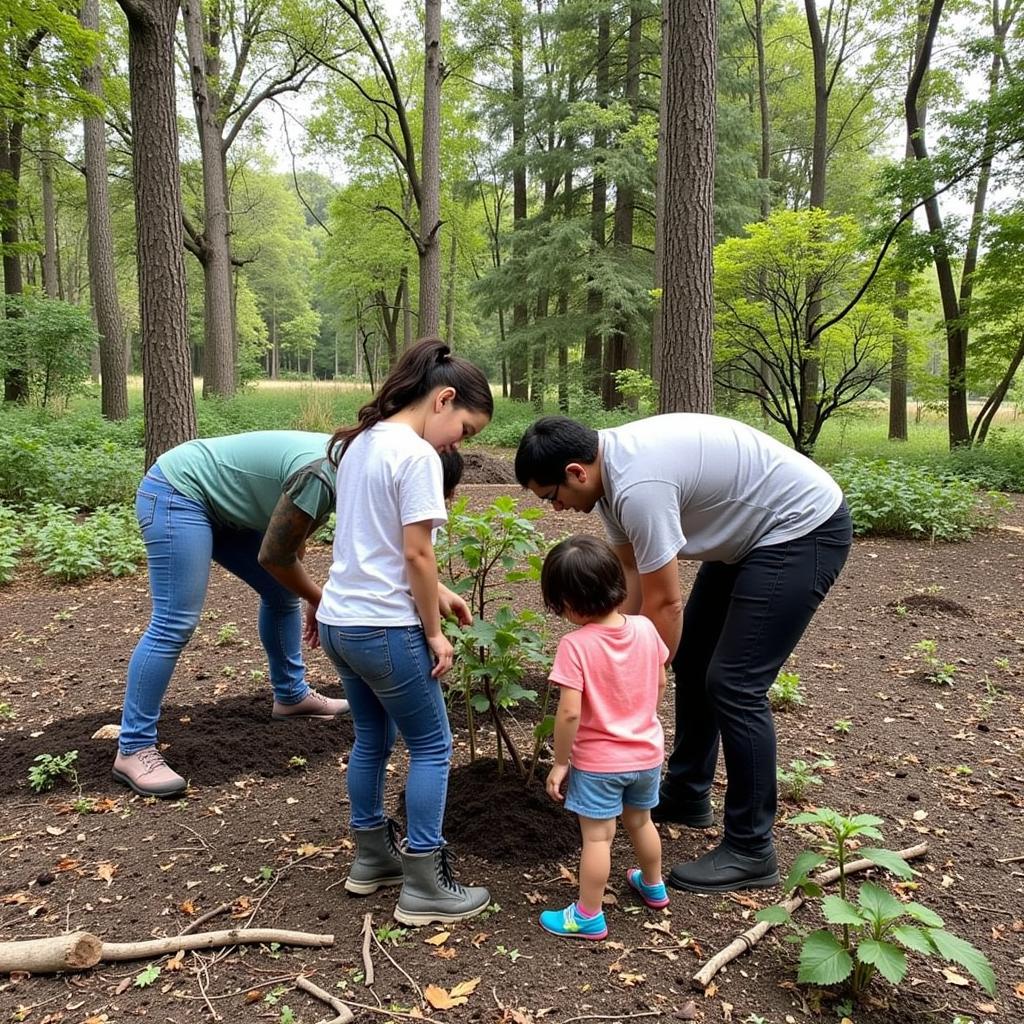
[
  {"x": 148, "y": 773},
  {"x": 313, "y": 705}
]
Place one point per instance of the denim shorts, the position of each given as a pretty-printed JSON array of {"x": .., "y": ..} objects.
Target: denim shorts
[{"x": 601, "y": 795}]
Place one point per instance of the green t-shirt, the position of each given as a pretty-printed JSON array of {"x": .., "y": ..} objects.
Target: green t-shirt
[{"x": 241, "y": 477}]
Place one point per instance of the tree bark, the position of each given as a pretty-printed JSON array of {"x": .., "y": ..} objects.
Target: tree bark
[
  {"x": 212, "y": 247},
  {"x": 518, "y": 358},
  {"x": 168, "y": 397},
  {"x": 102, "y": 276},
  {"x": 430, "y": 203},
  {"x": 449, "y": 308},
  {"x": 51, "y": 279},
  {"x": 687, "y": 212},
  {"x": 594, "y": 341}
]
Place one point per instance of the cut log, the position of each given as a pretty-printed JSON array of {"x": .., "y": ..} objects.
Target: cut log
[{"x": 74, "y": 951}]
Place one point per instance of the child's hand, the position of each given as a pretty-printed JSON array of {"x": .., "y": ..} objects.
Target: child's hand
[{"x": 558, "y": 774}]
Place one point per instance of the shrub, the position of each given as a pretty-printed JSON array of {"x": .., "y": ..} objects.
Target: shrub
[
  {"x": 876, "y": 932},
  {"x": 64, "y": 546},
  {"x": 891, "y": 497},
  {"x": 11, "y": 541}
]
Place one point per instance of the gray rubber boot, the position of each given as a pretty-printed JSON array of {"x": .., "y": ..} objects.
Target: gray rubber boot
[
  {"x": 431, "y": 894},
  {"x": 377, "y": 860}
]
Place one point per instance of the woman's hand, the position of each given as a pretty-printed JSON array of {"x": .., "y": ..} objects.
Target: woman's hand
[
  {"x": 443, "y": 653},
  {"x": 310, "y": 627},
  {"x": 453, "y": 606}
]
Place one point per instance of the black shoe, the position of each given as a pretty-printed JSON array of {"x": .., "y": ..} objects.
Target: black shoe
[
  {"x": 724, "y": 870},
  {"x": 692, "y": 813}
]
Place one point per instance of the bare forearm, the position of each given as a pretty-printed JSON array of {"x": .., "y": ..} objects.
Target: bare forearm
[
  {"x": 565, "y": 735},
  {"x": 668, "y": 620},
  {"x": 423, "y": 583},
  {"x": 282, "y": 547}
]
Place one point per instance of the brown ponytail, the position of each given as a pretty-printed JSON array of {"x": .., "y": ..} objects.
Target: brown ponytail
[{"x": 424, "y": 366}]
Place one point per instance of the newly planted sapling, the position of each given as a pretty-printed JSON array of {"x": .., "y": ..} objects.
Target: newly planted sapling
[
  {"x": 47, "y": 770},
  {"x": 785, "y": 691},
  {"x": 872, "y": 933},
  {"x": 484, "y": 552},
  {"x": 795, "y": 781},
  {"x": 937, "y": 671}
]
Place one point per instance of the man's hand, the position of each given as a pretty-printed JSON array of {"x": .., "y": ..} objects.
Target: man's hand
[{"x": 558, "y": 774}]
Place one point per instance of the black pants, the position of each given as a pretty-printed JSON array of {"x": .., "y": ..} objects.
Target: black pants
[{"x": 740, "y": 624}]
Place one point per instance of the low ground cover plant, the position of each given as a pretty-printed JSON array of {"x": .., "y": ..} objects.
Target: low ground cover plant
[
  {"x": 896, "y": 499},
  {"x": 47, "y": 770},
  {"x": 936, "y": 670},
  {"x": 869, "y": 932},
  {"x": 785, "y": 692}
]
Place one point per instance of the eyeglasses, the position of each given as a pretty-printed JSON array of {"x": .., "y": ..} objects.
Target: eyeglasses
[{"x": 552, "y": 497}]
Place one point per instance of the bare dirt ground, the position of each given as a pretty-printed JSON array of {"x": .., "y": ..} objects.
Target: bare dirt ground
[{"x": 263, "y": 827}]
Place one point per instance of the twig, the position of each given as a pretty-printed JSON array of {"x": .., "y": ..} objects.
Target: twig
[
  {"x": 242, "y": 991},
  {"x": 344, "y": 1014},
  {"x": 210, "y": 940},
  {"x": 200, "y": 971},
  {"x": 188, "y": 828},
  {"x": 380, "y": 945},
  {"x": 1010, "y": 860},
  {"x": 203, "y": 918},
  {"x": 612, "y": 1016},
  {"x": 367, "y": 959},
  {"x": 752, "y": 936}
]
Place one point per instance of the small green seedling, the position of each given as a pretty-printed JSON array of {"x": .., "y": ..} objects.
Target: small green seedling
[
  {"x": 274, "y": 995},
  {"x": 872, "y": 935},
  {"x": 963, "y": 770},
  {"x": 800, "y": 776},
  {"x": 287, "y": 1015},
  {"x": 265, "y": 873},
  {"x": 227, "y": 635},
  {"x": 937, "y": 671},
  {"x": 297, "y": 762},
  {"x": 785, "y": 692},
  {"x": 145, "y": 978},
  {"x": 393, "y": 934},
  {"x": 842, "y": 726},
  {"x": 6, "y": 712},
  {"x": 512, "y": 954},
  {"x": 48, "y": 769}
]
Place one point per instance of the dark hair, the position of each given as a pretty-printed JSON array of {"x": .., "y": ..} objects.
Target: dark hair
[
  {"x": 424, "y": 366},
  {"x": 452, "y": 465},
  {"x": 549, "y": 445},
  {"x": 584, "y": 575}
]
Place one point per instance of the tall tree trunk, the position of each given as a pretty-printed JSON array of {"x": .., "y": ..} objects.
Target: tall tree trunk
[
  {"x": 168, "y": 396},
  {"x": 404, "y": 304},
  {"x": 430, "y": 205},
  {"x": 213, "y": 245},
  {"x": 956, "y": 332},
  {"x": 563, "y": 313},
  {"x": 621, "y": 350},
  {"x": 593, "y": 343},
  {"x": 12, "y": 134},
  {"x": 51, "y": 278},
  {"x": 449, "y": 307},
  {"x": 518, "y": 357},
  {"x": 687, "y": 210},
  {"x": 102, "y": 276}
]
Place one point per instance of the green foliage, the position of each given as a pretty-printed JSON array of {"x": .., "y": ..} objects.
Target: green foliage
[
  {"x": 640, "y": 386},
  {"x": 47, "y": 770},
  {"x": 227, "y": 635},
  {"x": 6, "y": 711},
  {"x": 795, "y": 780},
  {"x": 11, "y": 541},
  {"x": 785, "y": 692},
  {"x": 72, "y": 548},
  {"x": 482, "y": 552},
  {"x": 874, "y": 933},
  {"x": 52, "y": 340},
  {"x": 889, "y": 497},
  {"x": 146, "y": 977},
  {"x": 937, "y": 671},
  {"x": 392, "y": 934},
  {"x": 842, "y": 726}
]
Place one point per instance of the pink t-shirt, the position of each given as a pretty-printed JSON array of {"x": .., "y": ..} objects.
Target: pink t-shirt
[{"x": 617, "y": 669}]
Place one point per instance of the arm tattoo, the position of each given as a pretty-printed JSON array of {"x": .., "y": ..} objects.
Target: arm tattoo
[{"x": 286, "y": 532}]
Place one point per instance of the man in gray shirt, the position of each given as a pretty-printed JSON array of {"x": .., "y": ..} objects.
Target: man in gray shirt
[{"x": 772, "y": 531}]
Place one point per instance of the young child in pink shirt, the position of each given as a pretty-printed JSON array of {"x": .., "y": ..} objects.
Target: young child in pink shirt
[{"x": 611, "y": 672}]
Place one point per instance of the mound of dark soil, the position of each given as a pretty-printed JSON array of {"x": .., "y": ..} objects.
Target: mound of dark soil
[
  {"x": 482, "y": 468},
  {"x": 930, "y": 603},
  {"x": 503, "y": 821}
]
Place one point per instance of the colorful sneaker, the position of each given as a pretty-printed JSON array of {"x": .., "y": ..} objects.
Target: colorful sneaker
[
  {"x": 148, "y": 773},
  {"x": 313, "y": 705},
  {"x": 573, "y": 925},
  {"x": 655, "y": 896}
]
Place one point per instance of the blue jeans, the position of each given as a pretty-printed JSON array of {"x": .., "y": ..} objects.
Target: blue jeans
[
  {"x": 386, "y": 673},
  {"x": 741, "y": 623},
  {"x": 181, "y": 538}
]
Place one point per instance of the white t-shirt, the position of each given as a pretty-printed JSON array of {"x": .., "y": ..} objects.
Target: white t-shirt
[
  {"x": 388, "y": 478},
  {"x": 706, "y": 487}
]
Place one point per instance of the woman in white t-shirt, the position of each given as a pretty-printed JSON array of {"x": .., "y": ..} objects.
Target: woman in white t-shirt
[{"x": 380, "y": 620}]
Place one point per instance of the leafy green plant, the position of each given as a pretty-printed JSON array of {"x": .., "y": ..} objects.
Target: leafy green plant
[
  {"x": 47, "y": 770},
  {"x": 72, "y": 548},
  {"x": 483, "y": 552},
  {"x": 937, "y": 671},
  {"x": 391, "y": 933},
  {"x": 872, "y": 932},
  {"x": 11, "y": 541},
  {"x": 147, "y": 976},
  {"x": 842, "y": 726},
  {"x": 785, "y": 691},
  {"x": 297, "y": 762},
  {"x": 227, "y": 635},
  {"x": 898, "y": 499},
  {"x": 6, "y": 711},
  {"x": 795, "y": 781}
]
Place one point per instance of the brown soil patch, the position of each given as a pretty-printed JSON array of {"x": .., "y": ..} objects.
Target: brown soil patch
[
  {"x": 931, "y": 603},
  {"x": 268, "y": 833},
  {"x": 486, "y": 468}
]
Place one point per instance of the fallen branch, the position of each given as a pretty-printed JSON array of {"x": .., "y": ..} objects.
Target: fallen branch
[
  {"x": 77, "y": 951},
  {"x": 752, "y": 936},
  {"x": 203, "y": 918},
  {"x": 367, "y": 959},
  {"x": 344, "y": 1014}
]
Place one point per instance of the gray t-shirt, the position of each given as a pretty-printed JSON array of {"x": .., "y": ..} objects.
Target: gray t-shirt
[{"x": 707, "y": 488}]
